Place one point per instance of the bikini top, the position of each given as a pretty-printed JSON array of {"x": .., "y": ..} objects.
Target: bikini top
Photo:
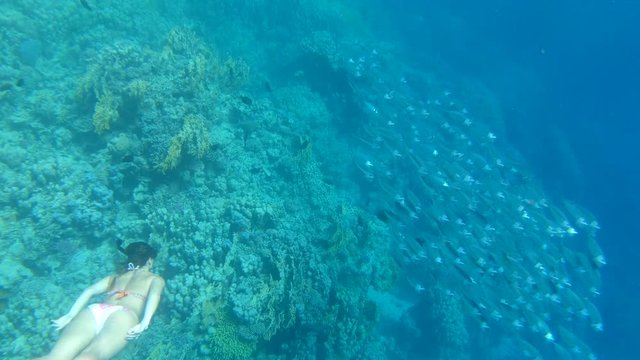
[{"x": 123, "y": 293}]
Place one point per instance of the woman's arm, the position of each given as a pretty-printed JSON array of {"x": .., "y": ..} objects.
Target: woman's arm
[
  {"x": 95, "y": 289},
  {"x": 153, "y": 299}
]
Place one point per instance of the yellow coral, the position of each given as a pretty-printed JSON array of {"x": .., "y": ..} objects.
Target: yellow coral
[
  {"x": 231, "y": 74},
  {"x": 194, "y": 131},
  {"x": 304, "y": 147},
  {"x": 106, "y": 112},
  {"x": 181, "y": 40},
  {"x": 85, "y": 86},
  {"x": 138, "y": 88},
  {"x": 197, "y": 132},
  {"x": 173, "y": 154},
  {"x": 197, "y": 71},
  {"x": 226, "y": 342},
  {"x": 342, "y": 239},
  {"x": 158, "y": 351}
]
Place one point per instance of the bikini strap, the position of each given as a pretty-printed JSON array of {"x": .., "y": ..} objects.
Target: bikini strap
[{"x": 122, "y": 293}]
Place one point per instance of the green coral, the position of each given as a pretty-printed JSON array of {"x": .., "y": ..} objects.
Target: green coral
[
  {"x": 159, "y": 351},
  {"x": 226, "y": 343}
]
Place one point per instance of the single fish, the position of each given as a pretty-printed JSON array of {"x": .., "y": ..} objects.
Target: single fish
[{"x": 85, "y": 4}]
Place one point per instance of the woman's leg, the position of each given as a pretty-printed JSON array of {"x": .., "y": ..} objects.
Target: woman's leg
[
  {"x": 112, "y": 338},
  {"x": 75, "y": 337}
]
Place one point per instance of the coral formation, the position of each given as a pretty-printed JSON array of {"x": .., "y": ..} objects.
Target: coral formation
[
  {"x": 194, "y": 133},
  {"x": 231, "y": 74},
  {"x": 106, "y": 112},
  {"x": 138, "y": 88},
  {"x": 226, "y": 343}
]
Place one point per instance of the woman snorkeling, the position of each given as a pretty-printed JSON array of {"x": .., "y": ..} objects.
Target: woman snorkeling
[{"x": 101, "y": 330}]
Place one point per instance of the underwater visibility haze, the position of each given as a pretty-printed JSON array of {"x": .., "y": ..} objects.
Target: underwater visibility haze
[{"x": 326, "y": 179}]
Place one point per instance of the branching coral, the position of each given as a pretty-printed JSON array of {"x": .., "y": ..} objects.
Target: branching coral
[
  {"x": 181, "y": 40},
  {"x": 113, "y": 69},
  {"x": 231, "y": 74},
  {"x": 304, "y": 147},
  {"x": 138, "y": 88},
  {"x": 106, "y": 112},
  {"x": 195, "y": 134},
  {"x": 197, "y": 71},
  {"x": 226, "y": 342}
]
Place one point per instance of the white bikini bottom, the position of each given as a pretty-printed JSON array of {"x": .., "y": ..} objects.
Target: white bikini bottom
[{"x": 102, "y": 311}]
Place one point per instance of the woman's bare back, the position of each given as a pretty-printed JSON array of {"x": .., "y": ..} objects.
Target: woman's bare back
[{"x": 130, "y": 289}]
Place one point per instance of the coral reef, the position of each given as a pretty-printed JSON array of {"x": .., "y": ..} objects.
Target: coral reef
[{"x": 262, "y": 161}]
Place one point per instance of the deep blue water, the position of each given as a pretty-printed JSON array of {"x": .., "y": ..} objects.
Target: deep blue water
[{"x": 566, "y": 75}]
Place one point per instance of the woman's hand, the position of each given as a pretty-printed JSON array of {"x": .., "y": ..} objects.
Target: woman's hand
[
  {"x": 60, "y": 323},
  {"x": 135, "y": 331}
]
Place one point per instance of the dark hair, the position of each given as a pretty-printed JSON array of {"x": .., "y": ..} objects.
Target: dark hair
[{"x": 137, "y": 253}]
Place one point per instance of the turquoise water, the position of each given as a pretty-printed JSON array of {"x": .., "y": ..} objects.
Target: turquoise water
[{"x": 323, "y": 179}]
